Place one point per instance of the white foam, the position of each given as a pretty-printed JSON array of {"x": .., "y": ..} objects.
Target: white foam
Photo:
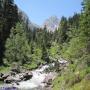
[{"x": 35, "y": 81}]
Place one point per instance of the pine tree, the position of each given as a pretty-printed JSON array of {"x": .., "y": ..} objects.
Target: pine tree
[
  {"x": 8, "y": 18},
  {"x": 85, "y": 19},
  {"x": 85, "y": 28},
  {"x": 62, "y": 31},
  {"x": 17, "y": 47},
  {"x": 73, "y": 25},
  {"x": 45, "y": 55}
]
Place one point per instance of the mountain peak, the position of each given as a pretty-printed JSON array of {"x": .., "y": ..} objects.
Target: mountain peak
[{"x": 52, "y": 23}]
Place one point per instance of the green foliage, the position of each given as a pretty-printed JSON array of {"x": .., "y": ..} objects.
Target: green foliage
[
  {"x": 57, "y": 83},
  {"x": 17, "y": 47},
  {"x": 73, "y": 25},
  {"x": 54, "y": 50},
  {"x": 77, "y": 51},
  {"x": 4, "y": 69},
  {"x": 8, "y": 19},
  {"x": 62, "y": 31},
  {"x": 45, "y": 55},
  {"x": 31, "y": 66},
  {"x": 74, "y": 50},
  {"x": 32, "y": 48}
]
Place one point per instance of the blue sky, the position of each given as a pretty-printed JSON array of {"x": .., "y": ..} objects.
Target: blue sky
[{"x": 39, "y": 10}]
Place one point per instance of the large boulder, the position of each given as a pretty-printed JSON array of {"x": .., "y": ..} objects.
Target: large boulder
[
  {"x": 5, "y": 76},
  {"x": 9, "y": 80},
  {"x": 21, "y": 76},
  {"x": 1, "y": 74},
  {"x": 27, "y": 76},
  {"x": 13, "y": 73}
]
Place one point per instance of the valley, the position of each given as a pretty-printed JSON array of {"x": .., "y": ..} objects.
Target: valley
[{"x": 53, "y": 56}]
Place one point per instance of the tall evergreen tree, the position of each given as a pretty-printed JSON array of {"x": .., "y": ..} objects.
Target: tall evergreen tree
[
  {"x": 45, "y": 55},
  {"x": 85, "y": 28},
  {"x": 17, "y": 47},
  {"x": 73, "y": 25},
  {"x": 8, "y": 18},
  {"x": 62, "y": 31}
]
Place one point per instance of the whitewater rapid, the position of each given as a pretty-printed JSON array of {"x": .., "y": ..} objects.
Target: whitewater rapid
[{"x": 36, "y": 81}]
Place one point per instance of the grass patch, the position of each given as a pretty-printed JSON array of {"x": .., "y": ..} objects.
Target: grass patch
[
  {"x": 57, "y": 83},
  {"x": 4, "y": 69}
]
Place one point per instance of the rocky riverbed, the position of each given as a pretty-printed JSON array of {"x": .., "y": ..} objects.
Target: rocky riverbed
[
  {"x": 39, "y": 79},
  {"x": 36, "y": 79},
  {"x": 31, "y": 80}
]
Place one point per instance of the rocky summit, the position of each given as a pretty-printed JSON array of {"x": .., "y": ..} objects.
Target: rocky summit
[{"x": 52, "y": 23}]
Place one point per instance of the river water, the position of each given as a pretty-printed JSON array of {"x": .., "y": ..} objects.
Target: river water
[{"x": 35, "y": 83}]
